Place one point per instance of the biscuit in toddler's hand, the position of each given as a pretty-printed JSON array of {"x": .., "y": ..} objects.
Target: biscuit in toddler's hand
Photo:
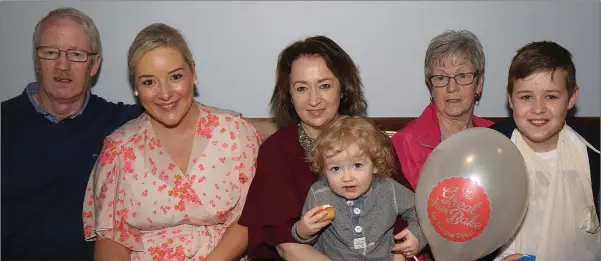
[{"x": 331, "y": 212}]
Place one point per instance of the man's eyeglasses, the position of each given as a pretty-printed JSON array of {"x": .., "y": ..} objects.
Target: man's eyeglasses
[
  {"x": 51, "y": 53},
  {"x": 461, "y": 79}
]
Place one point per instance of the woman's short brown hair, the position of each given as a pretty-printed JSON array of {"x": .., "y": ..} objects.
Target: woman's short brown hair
[
  {"x": 346, "y": 131},
  {"x": 338, "y": 61}
]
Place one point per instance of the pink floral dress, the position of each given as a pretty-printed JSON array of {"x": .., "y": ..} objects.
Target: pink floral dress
[{"x": 137, "y": 197}]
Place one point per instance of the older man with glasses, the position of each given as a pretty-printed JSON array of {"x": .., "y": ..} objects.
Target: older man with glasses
[{"x": 51, "y": 136}]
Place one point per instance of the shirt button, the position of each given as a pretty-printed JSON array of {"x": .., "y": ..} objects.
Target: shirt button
[
  {"x": 357, "y": 211},
  {"x": 358, "y": 229},
  {"x": 349, "y": 203}
]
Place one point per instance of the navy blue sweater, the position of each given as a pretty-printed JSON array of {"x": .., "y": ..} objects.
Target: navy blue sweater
[{"x": 45, "y": 170}]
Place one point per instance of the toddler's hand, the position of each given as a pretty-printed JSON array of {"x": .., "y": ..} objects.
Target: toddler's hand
[
  {"x": 309, "y": 224},
  {"x": 410, "y": 246},
  {"x": 398, "y": 257}
]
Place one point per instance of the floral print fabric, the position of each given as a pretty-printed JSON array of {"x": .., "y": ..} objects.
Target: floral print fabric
[{"x": 137, "y": 197}]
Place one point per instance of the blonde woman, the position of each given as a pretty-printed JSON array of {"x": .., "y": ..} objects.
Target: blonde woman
[{"x": 171, "y": 184}]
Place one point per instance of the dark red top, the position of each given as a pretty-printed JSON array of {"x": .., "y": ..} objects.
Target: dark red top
[{"x": 278, "y": 191}]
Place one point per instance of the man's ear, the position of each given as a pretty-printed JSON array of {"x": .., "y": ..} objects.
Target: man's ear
[
  {"x": 509, "y": 100},
  {"x": 96, "y": 65}
]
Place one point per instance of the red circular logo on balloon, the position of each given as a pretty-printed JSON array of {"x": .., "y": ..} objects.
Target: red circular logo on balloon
[{"x": 458, "y": 209}]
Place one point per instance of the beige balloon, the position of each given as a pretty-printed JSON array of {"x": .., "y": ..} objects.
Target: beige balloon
[{"x": 494, "y": 164}]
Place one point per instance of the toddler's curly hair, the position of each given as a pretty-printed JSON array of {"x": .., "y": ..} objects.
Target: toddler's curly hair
[{"x": 346, "y": 131}]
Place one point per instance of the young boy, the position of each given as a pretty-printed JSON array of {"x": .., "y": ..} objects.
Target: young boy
[
  {"x": 355, "y": 159},
  {"x": 563, "y": 167}
]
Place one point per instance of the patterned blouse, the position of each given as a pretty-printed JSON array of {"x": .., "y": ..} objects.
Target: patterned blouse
[{"x": 139, "y": 198}]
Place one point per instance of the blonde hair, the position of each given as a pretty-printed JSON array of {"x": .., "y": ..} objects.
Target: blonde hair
[
  {"x": 79, "y": 17},
  {"x": 153, "y": 36},
  {"x": 347, "y": 131}
]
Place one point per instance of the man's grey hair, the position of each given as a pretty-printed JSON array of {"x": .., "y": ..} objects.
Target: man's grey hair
[
  {"x": 80, "y": 17},
  {"x": 451, "y": 43}
]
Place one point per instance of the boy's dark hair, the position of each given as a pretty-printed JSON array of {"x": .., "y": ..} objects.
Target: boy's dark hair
[{"x": 542, "y": 56}]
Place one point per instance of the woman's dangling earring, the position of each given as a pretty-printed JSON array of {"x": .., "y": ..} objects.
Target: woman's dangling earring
[
  {"x": 431, "y": 99},
  {"x": 477, "y": 98},
  {"x": 136, "y": 93}
]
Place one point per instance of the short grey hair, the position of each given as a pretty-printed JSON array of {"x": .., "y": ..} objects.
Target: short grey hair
[
  {"x": 78, "y": 16},
  {"x": 451, "y": 43}
]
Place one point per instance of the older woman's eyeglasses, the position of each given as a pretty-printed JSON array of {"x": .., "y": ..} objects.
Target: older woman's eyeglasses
[
  {"x": 460, "y": 79},
  {"x": 51, "y": 53}
]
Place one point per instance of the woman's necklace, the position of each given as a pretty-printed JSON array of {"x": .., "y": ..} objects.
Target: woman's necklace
[{"x": 305, "y": 141}]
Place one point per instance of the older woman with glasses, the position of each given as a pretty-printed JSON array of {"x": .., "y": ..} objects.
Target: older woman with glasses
[{"x": 454, "y": 70}]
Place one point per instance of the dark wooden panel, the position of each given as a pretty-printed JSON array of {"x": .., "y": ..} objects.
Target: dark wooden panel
[
  {"x": 266, "y": 126},
  {"x": 394, "y": 123}
]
